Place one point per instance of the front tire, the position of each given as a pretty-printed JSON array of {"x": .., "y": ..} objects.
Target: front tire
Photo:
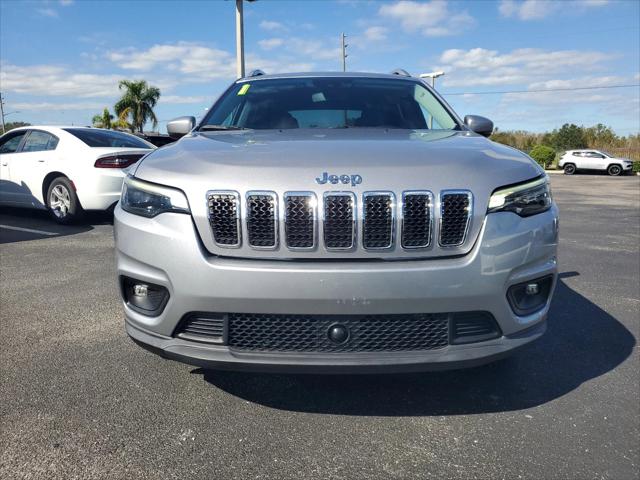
[
  {"x": 614, "y": 170},
  {"x": 569, "y": 169},
  {"x": 62, "y": 201}
]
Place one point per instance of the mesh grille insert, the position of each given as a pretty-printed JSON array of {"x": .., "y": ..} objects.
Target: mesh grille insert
[
  {"x": 455, "y": 212},
  {"x": 300, "y": 220},
  {"x": 261, "y": 220},
  {"x": 368, "y": 333},
  {"x": 224, "y": 218},
  {"x": 339, "y": 221},
  {"x": 378, "y": 220},
  {"x": 416, "y": 223}
]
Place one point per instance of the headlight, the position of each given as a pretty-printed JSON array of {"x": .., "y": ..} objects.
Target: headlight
[
  {"x": 525, "y": 199},
  {"x": 148, "y": 199}
]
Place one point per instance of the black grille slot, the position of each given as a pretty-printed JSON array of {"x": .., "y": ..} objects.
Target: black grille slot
[
  {"x": 308, "y": 333},
  {"x": 203, "y": 328},
  {"x": 261, "y": 220},
  {"x": 300, "y": 220},
  {"x": 224, "y": 218},
  {"x": 378, "y": 220},
  {"x": 469, "y": 327},
  {"x": 339, "y": 221},
  {"x": 416, "y": 223},
  {"x": 455, "y": 210}
]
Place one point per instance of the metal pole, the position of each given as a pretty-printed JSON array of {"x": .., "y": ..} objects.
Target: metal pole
[
  {"x": 239, "y": 39},
  {"x": 344, "y": 53},
  {"x": 2, "y": 113}
]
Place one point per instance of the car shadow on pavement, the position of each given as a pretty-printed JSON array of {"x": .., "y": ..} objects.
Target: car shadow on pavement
[
  {"x": 582, "y": 342},
  {"x": 21, "y": 224}
]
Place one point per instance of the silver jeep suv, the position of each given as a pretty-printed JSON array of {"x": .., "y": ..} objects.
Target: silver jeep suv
[{"x": 335, "y": 223}]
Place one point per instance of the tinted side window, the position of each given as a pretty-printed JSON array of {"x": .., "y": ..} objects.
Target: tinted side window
[
  {"x": 11, "y": 143},
  {"x": 107, "y": 138},
  {"x": 38, "y": 141}
]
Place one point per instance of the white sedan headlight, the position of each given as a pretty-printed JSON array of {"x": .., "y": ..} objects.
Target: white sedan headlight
[
  {"x": 150, "y": 199},
  {"x": 525, "y": 199}
]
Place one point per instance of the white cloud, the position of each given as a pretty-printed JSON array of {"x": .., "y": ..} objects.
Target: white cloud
[
  {"x": 40, "y": 106},
  {"x": 375, "y": 34},
  {"x": 270, "y": 43},
  {"x": 188, "y": 58},
  {"x": 432, "y": 19},
  {"x": 66, "y": 3},
  {"x": 482, "y": 67},
  {"x": 272, "y": 26},
  {"x": 538, "y": 9},
  {"x": 47, "y": 12},
  {"x": 180, "y": 99},
  {"x": 55, "y": 80}
]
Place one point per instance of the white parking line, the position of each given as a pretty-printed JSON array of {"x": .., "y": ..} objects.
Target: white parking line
[{"x": 30, "y": 230}]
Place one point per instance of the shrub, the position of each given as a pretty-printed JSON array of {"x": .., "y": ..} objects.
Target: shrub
[
  {"x": 543, "y": 155},
  {"x": 636, "y": 167}
]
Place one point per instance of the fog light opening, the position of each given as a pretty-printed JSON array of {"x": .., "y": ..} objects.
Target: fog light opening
[
  {"x": 529, "y": 297},
  {"x": 145, "y": 298}
]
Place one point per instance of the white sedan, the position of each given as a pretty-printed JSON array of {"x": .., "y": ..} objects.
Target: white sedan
[
  {"x": 589, "y": 159},
  {"x": 66, "y": 169}
]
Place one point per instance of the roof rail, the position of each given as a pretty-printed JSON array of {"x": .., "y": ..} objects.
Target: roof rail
[
  {"x": 256, "y": 73},
  {"x": 401, "y": 71}
]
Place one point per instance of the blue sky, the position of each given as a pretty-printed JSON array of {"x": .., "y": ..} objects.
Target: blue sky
[{"x": 61, "y": 59}]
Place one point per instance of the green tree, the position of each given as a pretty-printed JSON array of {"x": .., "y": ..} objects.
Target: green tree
[
  {"x": 138, "y": 101},
  {"x": 543, "y": 155},
  {"x": 103, "y": 120},
  {"x": 569, "y": 137},
  {"x": 11, "y": 125}
]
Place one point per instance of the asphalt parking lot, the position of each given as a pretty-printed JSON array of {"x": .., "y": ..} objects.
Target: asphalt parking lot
[{"x": 80, "y": 400}]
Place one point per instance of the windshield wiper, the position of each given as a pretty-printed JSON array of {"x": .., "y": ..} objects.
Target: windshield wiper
[{"x": 220, "y": 127}]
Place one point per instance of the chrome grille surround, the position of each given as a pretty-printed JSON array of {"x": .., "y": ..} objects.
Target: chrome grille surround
[
  {"x": 261, "y": 210},
  {"x": 338, "y": 217},
  {"x": 223, "y": 207},
  {"x": 456, "y": 209},
  {"x": 378, "y": 220},
  {"x": 425, "y": 228},
  {"x": 300, "y": 227}
]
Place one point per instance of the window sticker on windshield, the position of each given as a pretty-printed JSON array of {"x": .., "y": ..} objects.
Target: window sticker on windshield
[
  {"x": 318, "y": 97},
  {"x": 244, "y": 89}
]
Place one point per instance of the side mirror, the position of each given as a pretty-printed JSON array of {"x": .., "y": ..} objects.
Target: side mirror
[
  {"x": 179, "y": 127},
  {"x": 481, "y": 125}
]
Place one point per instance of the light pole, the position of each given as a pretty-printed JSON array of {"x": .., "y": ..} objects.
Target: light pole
[
  {"x": 432, "y": 76},
  {"x": 240, "y": 38},
  {"x": 344, "y": 53}
]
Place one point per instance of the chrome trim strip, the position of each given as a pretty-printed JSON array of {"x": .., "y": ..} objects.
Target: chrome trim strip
[
  {"x": 236, "y": 195},
  {"x": 314, "y": 213},
  {"x": 274, "y": 198},
  {"x": 430, "y": 207},
  {"x": 379, "y": 193},
  {"x": 469, "y": 195},
  {"x": 354, "y": 218}
]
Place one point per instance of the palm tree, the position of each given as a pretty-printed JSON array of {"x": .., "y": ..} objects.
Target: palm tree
[
  {"x": 139, "y": 98},
  {"x": 103, "y": 120}
]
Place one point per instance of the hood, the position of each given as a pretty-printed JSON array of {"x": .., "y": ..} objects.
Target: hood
[{"x": 300, "y": 160}]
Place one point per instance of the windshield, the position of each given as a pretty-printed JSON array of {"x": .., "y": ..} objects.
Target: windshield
[
  {"x": 107, "y": 138},
  {"x": 329, "y": 103}
]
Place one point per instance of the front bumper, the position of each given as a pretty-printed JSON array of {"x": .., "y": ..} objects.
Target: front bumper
[{"x": 166, "y": 251}]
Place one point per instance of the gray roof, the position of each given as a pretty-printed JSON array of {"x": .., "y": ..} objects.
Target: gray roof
[{"x": 328, "y": 74}]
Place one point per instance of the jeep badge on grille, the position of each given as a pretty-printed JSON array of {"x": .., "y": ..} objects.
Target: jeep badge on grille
[{"x": 335, "y": 179}]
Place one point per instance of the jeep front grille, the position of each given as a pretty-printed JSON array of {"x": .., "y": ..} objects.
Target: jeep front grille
[
  {"x": 300, "y": 219},
  {"x": 262, "y": 219},
  {"x": 333, "y": 224},
  {"x": 417, "y": 219},
  {"x": 455, "y": 212},
  {"x": 339, "y": 220},
  {"x": 224, "y": 217},
  {"x": 378, "y": 220}
]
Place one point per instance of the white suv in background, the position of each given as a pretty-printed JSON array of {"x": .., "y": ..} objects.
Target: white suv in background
[{"x": 574, "y": 160}]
